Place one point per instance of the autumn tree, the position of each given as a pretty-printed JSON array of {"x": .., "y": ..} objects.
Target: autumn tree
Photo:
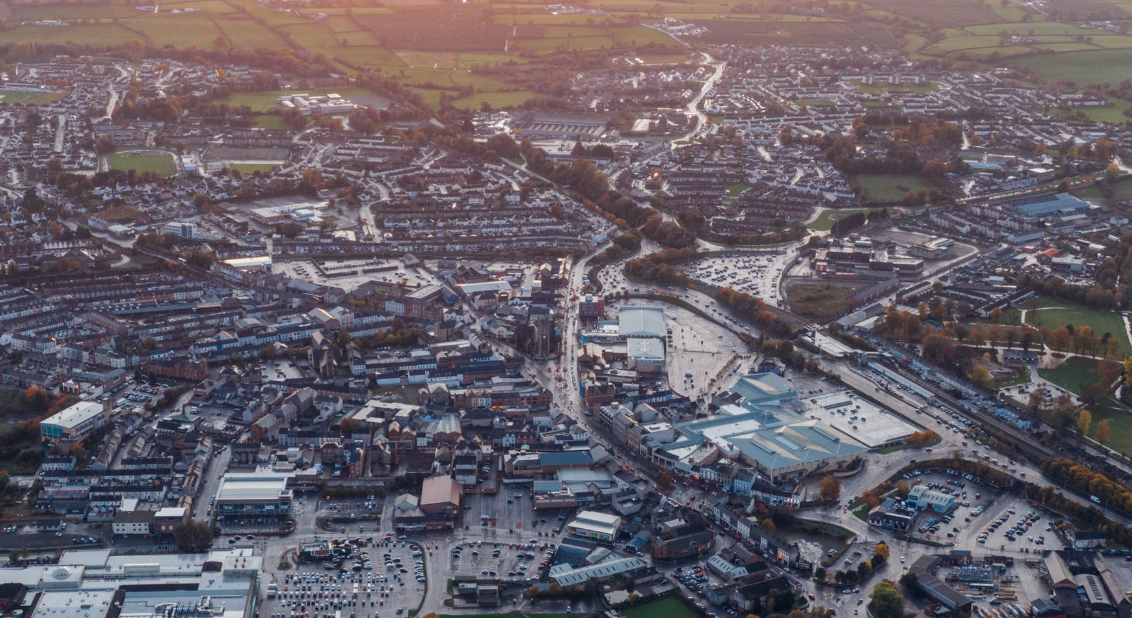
[
  {"x": 882, "y": 550},
  {"x": 37, "y": 398},
  {"x": 1084, "y": 420},
  {"x": 830, "y": 489},
  {"x": 1103, "y": 430},
  {"x": 981, "y": 376}
]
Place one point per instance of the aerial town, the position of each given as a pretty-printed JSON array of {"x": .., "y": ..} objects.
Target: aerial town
[{"x": 779, "y": 331}]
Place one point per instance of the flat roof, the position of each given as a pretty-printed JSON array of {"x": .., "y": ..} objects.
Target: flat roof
[
  {"x": 252, "y": 487},
  {"x": 786, "y": 446},
  {"x": 642, "y": 322},
  {"x": 75, "y": 415},
  {"x": 874, "y": 426}
]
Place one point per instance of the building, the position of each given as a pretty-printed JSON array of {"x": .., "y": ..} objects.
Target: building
[
  {"x": 75, "y": 422},
  {"x": 136, "y": 523},
  {"x": 1085, "y": 539},
  {"x": 565, "y": 575},
  {"x": 440, "y": 494},
  {"x": 645, "y": 354},
  {"x": 892, "y": 515},
  {"x": 1036, "y": 206},
  {"x": 759, "y": 426},
  {"x": 920, "y": 497},
  {"x": 167, "y": 518},
  {"x": 642, "y": 322},
  {"x": 924, "y": 568},
  {"x": 254, "y": 494},
  {"x": 595, "y": 526},
  {"x": 97, "y": 584}
]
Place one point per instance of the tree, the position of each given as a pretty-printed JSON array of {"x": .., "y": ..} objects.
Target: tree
[
  {"x": 981, "y": 376},
  {"x": 1060, "y": 339},
  {"x": 995, "y": 314},
  {"x": 1103, "y": 429},
  {"x": 830, "y": 489},
  {"x": 1037, "y": 400},
  {"x": 1084, "y": 419},
  {"x": 37, "y": 398},
  {"x": 1112, "y": 172},
  {"x": 886, "y": 601},
  {"x": 192, "y": 537},
  {"x": 882, "y": 550},
  {"x": 768, "y": 525}
]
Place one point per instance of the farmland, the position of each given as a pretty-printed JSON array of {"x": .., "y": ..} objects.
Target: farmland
[
  {"x": 144, "y": 161},
  {"x": 432, "y": 46}
]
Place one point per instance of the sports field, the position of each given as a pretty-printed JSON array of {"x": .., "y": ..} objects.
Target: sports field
[{"x": 144, "y": 161}]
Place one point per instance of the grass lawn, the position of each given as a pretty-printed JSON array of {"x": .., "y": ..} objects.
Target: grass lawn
[
  {"x": 1056, "y": 313},
  {"x": 145, "y": 161},
  {"x": 1074, "y": 374},
  {"x": 825, "y": 220},
  {"x": 886, "y": 188},
  {"x": 496, "y": 100},
  {"x": 671, "y": 607}
]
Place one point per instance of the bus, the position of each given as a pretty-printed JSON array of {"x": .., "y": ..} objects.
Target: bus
[{"x": 271, "y": 590}]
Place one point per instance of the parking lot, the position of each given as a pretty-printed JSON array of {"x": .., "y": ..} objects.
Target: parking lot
[
  {"x": 389, "y": 587},
  {"x": 755, "y": 274},
  {"x": 513, "y": 513},
  {"x": 504, "y": 560},
  {"x": 1010, "y": 524}
]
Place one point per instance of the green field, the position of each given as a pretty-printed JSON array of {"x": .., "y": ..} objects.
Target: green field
[
  {"x": 1055, "y": 313},
  {"x": 889, "y": 188},
  {"x": 145, "y": 161},
  {"x": 1087, "y": 67},
  {"x": 671, "y": 607}
]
